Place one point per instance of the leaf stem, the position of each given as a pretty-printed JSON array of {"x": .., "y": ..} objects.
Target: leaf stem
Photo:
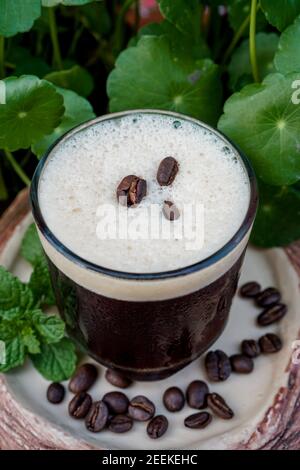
[
  {"x": 118, "y": 40},
  {"x": 2, "y": 57},
  {"x": 239, "y": 33},
  {"x": 22, "y": 175},
  {"x": 54, "y": 38},
  {"x": 252, "y": 42}
]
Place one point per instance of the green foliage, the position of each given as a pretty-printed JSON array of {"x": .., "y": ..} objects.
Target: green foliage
[
  {"x": 18, "y": 16},
  {"x": 280, "y": 13},
  {"x": 287, "y": 58},
  {"x": 76, "y": 78},
  {"x": 24, "y": 327},
  {"x": 146, "y": 76}
]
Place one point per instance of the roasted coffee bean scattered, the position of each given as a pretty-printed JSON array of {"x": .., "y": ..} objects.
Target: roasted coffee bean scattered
[
  {"x": 120, "y": 424},
  {"x": 55, "y": 393},
  {"x": 173, "y": 399},
  {"x": 272, "y": 315},
  {"x": 97, "y": 417},
  {"x": 250, "y": 348},
  {"x": 241, "y": 364},
  {"x": 198, "y": 420},
  {"x": 268, "y": 297},
  {"x": 251, "y": 289},
  {"x": 141, "y": 408},
  {"x": 80, "y": 405},
  {"x": 170, "y": 211},
  {"x": 196, "y": 394},
  {"x": 131, "y": 190},
  {"x": 83, "y": 379},
  {"x": 167, "y": 171},
  {"x": 270, "y": 343},
  {"x": 117, "y": 402},
  {"x": 219, "y": 406},
  {"x": 217, "y": 366},
  {"x": 157, "y": 427},
  {"x": 117, "y": 379}
]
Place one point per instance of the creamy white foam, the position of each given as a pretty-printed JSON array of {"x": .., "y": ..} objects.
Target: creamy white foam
[{"x": 83, "y": 173}]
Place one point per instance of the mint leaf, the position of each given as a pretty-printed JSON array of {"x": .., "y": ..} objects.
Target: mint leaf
[
  {"x": 11, "y": 314},
  {"x": 56, "y": 362},
  {"x": 30, "y": 340},
  {"x": 76, "y": 79},
  {"x": 266, "y": 44},
  {"x": 50, "y": 327},
  {"x": 263, "y": 120},
  {"x": 280, "y": 13},
  {"x": 31, "y": 248},
  {"x": 15, "y": 354},
  {"x": 33, "y": 109},
  {"x": 146, "y": 76},
  {"x": 8, "y": 329},
  {"x": 287, "y": 58},
  {"x": 278, "y": 219},
  {"x": 18, "y": 16},
  {"x": 77, "y": 110},
  {"x": 13, "y": 293},
  {"x": 40, "y": 283}
]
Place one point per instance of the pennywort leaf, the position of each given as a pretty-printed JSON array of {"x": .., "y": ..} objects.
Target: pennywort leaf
[
  {"x": 54, "y": 3},
  {"x": 264, "y": 121},
  {"x": 184, "y": 14},
  {"x": 33, "y": 109},
  {"x": 280, "y": 13},
  {"x": 77, "y": 110},
  {"x": 287, "y": 58},
  {"x": 146, "y": 76},
  {"x": 18, "y": 16},
  {"x": 76, "y": 78}
]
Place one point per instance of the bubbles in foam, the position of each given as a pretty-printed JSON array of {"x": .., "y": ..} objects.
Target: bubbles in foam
[{"x": 83, "y": 174}]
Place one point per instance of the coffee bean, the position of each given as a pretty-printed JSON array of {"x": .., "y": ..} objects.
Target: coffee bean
[
  {"x": 217, "y": 365},
  {"x": 80, "y": 405},
  {"x": 250, "y": 348},
  {"x": 157, "y": 427},
  {"x": 272, "y": 315},
  {"x": 219, "y": 406},
  {"x": 141, "y": 408},
  {"x": 167, "y": 171},
  {"x": 117, "y": 379},
  {"x": 97, "y": 417},
  {"x": 268, "y": 297},
  {"x": 131, "y": 190},
  {"x": 251, "y": 289},
  {"x": 120, "y": 424},
  {"x": 170, "y": 211},
  {"x": 198, "y": 420},
  {"x": 117, "y": 402},
  {"x": 55, "y": 393},
  {"x": 173, "y": 399},
  {"x": 83, "y": 379},
  {"x": 241, "y": 364},
  {"x": 196, "y": 394},
  {"x": 270, "y": 343}
]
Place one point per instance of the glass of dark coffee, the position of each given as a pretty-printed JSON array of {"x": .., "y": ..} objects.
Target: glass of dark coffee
[{"x": 140, "y": 292}]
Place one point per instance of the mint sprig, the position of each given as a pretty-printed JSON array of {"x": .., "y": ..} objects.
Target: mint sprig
[{"x": 26, "y": 330}]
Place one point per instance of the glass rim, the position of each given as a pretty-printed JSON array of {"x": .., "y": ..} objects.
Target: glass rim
[{"x": 195, "y": 267}]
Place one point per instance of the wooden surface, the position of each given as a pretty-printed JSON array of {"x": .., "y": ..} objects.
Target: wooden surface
[{"x": 21, "y": 429}]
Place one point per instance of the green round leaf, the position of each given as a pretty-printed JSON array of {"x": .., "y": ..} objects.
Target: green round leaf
[
  {"x": 77, "y": 110},
  {"x": 76, "y": 78},
  {"x": 18, "y": 16},
  {"x": 264, "y": 121},
  {"x": 147, "y": 76},
  {"x": 184, "y": 14},
  {"x": 27, "y": 63},
  {"x": 287, "y": 58},
  {"x": 278, "y": 219},
  {"x": 240, "y": 63},
  {"x": 33, "y": 109},
  {"x": 280, "y": 13}
]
